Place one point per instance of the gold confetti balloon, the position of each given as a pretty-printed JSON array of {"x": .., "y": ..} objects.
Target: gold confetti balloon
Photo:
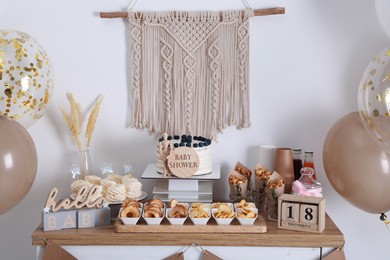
[
  {"x": 26, "y": 77},
  {"x": 374, "y": 98}
]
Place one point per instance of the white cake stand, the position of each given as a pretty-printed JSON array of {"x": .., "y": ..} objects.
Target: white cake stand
[{"x": 198, "y": 188}]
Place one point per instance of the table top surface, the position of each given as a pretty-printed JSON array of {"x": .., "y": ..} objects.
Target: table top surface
[{"x": 274, "y": 237}]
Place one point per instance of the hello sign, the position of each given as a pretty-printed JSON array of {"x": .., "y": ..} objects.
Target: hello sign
[
  {"x": 84, "y": 198},
  {"x": 183, "y": 162},
  {"x": 87, "y": 209}
]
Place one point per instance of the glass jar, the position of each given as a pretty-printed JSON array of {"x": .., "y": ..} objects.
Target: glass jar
[{"x": 307, "y": 180}]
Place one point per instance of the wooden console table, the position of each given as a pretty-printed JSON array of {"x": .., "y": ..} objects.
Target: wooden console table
[{"x": 104, "y": 240}]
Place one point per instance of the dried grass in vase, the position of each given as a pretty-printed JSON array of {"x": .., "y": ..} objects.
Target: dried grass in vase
[{"x": 75, "y": 122}]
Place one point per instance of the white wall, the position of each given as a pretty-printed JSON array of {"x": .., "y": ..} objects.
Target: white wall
[{"x": 305, "y": 67}]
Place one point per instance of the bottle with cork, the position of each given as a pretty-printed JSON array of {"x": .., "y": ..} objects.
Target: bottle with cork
[
  {"x": 297, "y": 161},
  {"x": 309, "y": 162}
]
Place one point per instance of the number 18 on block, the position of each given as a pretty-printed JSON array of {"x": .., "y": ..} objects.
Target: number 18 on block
[{"x": 301, "y": 213}]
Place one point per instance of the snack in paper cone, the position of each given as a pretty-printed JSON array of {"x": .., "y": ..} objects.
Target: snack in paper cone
[
  {"x": 243, "y": 170},
  {"x": 238, "y": 184},
  {"x": 262, "y": 175},
  {"x": 275, "y": 188}
]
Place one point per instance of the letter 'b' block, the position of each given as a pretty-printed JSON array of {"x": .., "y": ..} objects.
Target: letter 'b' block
[{"x": 86, "y": 218}]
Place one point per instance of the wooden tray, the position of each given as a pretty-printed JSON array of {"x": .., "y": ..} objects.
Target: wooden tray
[{"x": 165, "y": 227}]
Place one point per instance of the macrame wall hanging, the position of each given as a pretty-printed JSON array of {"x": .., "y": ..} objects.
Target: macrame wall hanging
[{"x": 189, "y": 70}]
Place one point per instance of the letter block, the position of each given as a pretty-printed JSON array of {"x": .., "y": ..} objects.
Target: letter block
[
  {"x": 86, "y": 218},
  {"x": 82, "y": 218},
  {"x": 290, "y": 211},
  {"x": 308, "y": 214},
  {"x": 102, "y": 217},
  {"x": 302, "y": 213},
  {"x": 59, "y": 220}
]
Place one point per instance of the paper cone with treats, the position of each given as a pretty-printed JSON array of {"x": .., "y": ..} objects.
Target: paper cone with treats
[
  {"x": 243, "y": 170},
  {"x": 238, "y": 185},
  {"x": 262, "y": 175},
  {"x": 275, "y": 188}
]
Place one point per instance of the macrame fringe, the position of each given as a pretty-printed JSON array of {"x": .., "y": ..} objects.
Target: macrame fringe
[{"x": 190, "y": 71}]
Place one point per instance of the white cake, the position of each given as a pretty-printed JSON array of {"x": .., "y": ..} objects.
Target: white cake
[{"x": 201, "y": 145}]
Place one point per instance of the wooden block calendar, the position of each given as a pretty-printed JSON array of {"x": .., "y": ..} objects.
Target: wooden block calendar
[{"x": 302, "y": 213}]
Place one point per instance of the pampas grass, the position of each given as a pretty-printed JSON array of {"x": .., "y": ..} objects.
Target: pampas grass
[
  {"x": 73, "y": 131},
  {"x": 92, "y": 121},
  {"x": 74, "y": 121}
]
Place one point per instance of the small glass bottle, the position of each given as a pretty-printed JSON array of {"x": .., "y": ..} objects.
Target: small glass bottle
[
  {"x": 309, "y": 184},
  {"x": 309, "y": 162},
  {"x": 297, "y": 161}
]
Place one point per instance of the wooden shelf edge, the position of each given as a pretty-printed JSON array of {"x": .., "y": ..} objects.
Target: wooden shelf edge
[{"x": 106, "y": 236}]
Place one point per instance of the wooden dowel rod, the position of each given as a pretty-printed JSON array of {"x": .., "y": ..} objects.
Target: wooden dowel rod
[
  {"x": 269, "y": 11},
  {"x": 113, "y": 14},
  {"x": 257, "y": 12}
]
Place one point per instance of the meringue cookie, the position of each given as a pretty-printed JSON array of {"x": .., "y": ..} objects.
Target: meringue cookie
[
  {"x": 115, "y": 177},
  {"x": 95, "y": 180},
  {"x": 116, "y": 192},
  {"x": 133, "y": 190}
]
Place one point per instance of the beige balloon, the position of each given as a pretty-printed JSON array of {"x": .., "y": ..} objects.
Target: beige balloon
[
  {"x": 357, "y": 167},
  {"x": 18, "y": 163}
]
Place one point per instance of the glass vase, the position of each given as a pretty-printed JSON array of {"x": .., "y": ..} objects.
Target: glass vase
[{"x": 85, "y": 163}]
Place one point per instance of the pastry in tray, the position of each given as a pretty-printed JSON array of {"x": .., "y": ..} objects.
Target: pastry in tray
[
  {"x": 200, "y": 210},
  {"x": 176, "y": 212},
  {"x": 244, "y": 204},
  {"x": 130, "y": 212},
  {"x": 223, "y": 213},
  {"x": 200, "y": 213},
  {"x": 154, "y": 209},
  {"x": 246, "y": 216},
  {"x": 154, "y": 212}
]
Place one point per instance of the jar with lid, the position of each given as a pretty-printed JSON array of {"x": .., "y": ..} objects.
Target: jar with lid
[{"x": 307, "y": 185}]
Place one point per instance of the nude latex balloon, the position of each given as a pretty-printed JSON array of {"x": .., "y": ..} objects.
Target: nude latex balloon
[
  {"x": 357, "y": 167},
  {"x": 18, "y": 163}
]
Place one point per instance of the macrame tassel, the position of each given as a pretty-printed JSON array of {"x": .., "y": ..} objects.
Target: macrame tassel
[
  {"x": 243, "y": 46},
  {"x": 190, "y": 71},
  {"x": 135, "y": 35},
  {"x": 167, "y": 54}
]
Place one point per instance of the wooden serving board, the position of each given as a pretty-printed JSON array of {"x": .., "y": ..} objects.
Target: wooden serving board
[{"x": 188, "y": 227}]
